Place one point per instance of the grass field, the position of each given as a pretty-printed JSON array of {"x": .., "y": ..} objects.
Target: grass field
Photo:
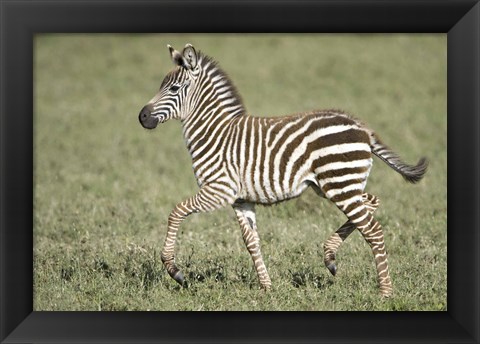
[{"x": 104, "y": 186}]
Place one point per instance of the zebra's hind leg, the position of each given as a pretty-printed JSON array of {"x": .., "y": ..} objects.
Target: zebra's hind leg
[
  {"x": 332, "y": 244},
  {"x": 350, "y": 202},
  {"x": 335, "y": 240},
  {"x": 207, "y": 199},
  {"x": 246, "y": 218}
]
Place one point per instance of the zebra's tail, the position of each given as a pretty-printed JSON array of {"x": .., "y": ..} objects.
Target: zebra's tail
[{"x": 412, "y": 174}]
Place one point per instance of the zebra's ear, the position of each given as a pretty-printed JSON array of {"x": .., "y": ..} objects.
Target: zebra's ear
[
  {"x": 190, "y": 55},
  {"x": 177, "y": 58}
]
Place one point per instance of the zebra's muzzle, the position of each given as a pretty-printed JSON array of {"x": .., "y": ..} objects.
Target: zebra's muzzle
[{"x": 146, "y": 119}]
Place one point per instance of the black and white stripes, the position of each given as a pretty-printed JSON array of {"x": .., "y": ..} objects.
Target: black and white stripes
[{"x": 242, "y": 160}]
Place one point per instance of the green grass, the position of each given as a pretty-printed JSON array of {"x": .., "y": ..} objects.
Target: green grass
[{"x": 104, "y": 186}]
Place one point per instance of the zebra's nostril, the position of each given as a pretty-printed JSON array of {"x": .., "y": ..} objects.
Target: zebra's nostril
[
  {"x": 146, "y": 119},
  {"x": 144, "y": 114}
]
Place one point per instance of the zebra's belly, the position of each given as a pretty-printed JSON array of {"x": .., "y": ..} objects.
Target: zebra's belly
[{"x": 275, "y": 196}]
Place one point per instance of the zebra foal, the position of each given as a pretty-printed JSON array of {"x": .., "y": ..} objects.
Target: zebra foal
[{"x": 241, "y": 160}]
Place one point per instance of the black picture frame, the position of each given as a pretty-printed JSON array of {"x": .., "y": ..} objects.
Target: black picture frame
[{"x": 20, "y": 20}]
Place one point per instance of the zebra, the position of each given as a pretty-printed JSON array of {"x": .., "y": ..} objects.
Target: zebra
[{"x": 242, "y": 160}]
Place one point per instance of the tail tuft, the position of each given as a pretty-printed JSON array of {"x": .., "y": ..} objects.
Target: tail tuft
[{"x": 412, "y": 174}]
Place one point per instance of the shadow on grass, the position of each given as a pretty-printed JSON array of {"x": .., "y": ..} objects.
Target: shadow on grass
[{"x": 306, "y": 277}]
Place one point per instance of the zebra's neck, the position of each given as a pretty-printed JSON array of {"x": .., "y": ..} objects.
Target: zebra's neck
[{"x": 214, "y": 104}]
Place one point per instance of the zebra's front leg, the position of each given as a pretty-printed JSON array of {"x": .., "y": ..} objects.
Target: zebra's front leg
[
  {"x": 332, "y": 244},
  {"x": 206, "y": 200},
  {"x": 246, "y": 218}
]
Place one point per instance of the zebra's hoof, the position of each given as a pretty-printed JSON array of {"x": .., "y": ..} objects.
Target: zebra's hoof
[
  {"x": 266, "y": 287},
  {"x": 332, "y": 268},
  {"x": 179, "y": 278},
  {"x": 386, "y": 294}
]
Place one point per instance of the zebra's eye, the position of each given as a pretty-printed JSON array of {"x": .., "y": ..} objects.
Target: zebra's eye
[{"x": 174, "y": 88}]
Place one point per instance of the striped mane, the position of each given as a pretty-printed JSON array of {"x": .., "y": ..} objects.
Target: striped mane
[{"x": 212, "y": 67}]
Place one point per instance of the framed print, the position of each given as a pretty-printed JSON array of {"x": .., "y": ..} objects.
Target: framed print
[{"x": 82, "y": 223}]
